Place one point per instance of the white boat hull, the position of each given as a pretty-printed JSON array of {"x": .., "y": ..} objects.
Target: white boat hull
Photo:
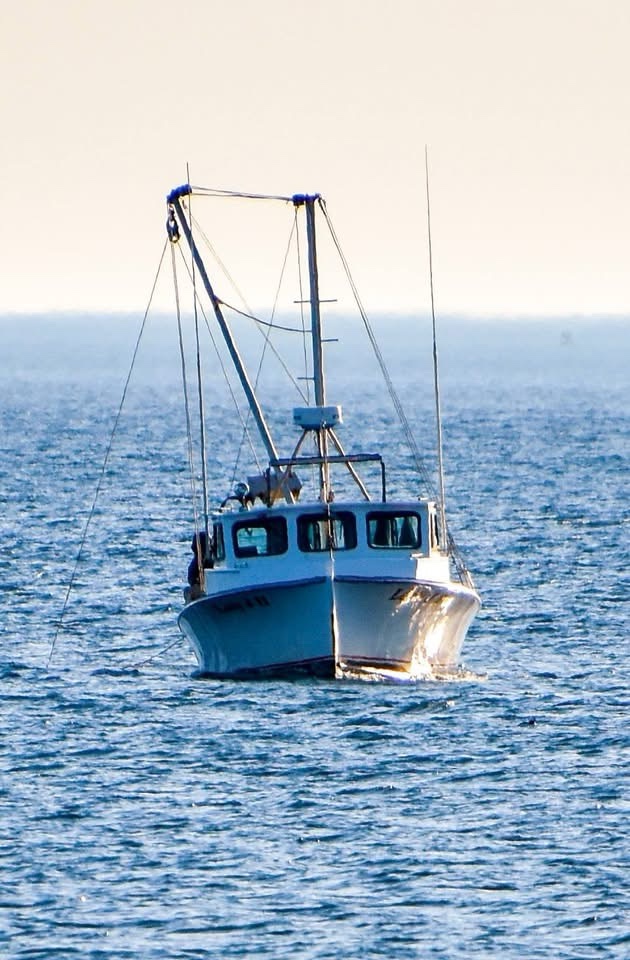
[
  {"x": 273, "y": 628},
  {"x": 402, "y": 625},
  {"x": 325, "y": 626}
]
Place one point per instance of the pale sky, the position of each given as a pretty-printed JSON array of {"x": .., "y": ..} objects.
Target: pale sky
[{"x": 524, "y": 105}]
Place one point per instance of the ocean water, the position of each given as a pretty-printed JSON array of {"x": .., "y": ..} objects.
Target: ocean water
[{"x": 150, "y": 814}]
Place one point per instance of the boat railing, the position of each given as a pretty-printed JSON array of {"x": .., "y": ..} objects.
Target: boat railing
[{"x": 288, "y": 463}]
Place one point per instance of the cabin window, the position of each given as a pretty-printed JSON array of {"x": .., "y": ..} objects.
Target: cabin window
[
  {"x": 394, "y": 530},
  {"x": 260, "y": 538},
  {"x": 321, "y": 531}
]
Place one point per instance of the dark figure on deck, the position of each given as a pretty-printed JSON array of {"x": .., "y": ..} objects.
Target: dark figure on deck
[{"x": 199, "y": 547}]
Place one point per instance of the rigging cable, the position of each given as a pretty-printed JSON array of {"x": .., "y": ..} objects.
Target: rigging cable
[
  {"x": 154, "y": 656},
  {"x": 460, "y": 565},
  {"x": 224, "y": 370},
  {"x": 201, "y": 233},
  {"x": 267, "y": 342},
  {"x": 182, "y": 355},
  {"x": 263, "y": 323},
  {"x": 202, "y": 419},
  {"x": 422, "y": 470},
  {"x": 274, "y": 326},
  {"x": 211, "y": 192},
  {"x": 248, "y": 311},
  {"x": 108, "y": 451}
]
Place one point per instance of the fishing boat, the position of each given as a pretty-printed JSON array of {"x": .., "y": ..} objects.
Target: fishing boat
[{"x": 339, "y": 581}]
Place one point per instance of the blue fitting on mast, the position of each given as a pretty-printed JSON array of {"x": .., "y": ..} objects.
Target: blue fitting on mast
[
  {"x": 301, "y": 198},
  {"x": 178, "y": 192}
]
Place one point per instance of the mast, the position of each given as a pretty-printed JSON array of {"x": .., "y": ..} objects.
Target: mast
[
  {"x": 316, "y": 322},
  {"x": 174, "y": 200},
  {"x": 308, "y": 201}
]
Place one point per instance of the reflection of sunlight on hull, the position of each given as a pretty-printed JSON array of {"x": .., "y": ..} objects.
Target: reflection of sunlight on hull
[{"x": 423, "y": 672}]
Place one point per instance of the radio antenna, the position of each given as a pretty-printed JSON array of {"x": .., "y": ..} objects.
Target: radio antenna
[{"x": 436, "y": 377}]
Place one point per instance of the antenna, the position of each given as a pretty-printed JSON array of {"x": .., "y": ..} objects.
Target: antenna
[{"x": 436, "y": 378}]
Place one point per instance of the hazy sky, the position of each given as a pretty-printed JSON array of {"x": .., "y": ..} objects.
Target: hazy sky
[{"x": 524, "y": 104}]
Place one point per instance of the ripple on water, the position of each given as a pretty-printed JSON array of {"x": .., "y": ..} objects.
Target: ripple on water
[{"x": 477, "y": 813}]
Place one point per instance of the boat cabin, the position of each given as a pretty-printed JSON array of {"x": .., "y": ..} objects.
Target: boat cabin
[{"x": 367, "y": 529}]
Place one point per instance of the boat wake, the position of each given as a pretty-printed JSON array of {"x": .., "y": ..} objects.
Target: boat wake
[{"x": 424, "y": 673}]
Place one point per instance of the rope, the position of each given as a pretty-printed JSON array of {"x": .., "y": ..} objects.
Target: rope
[
  {"x": 248, "y": 312},
  {"x": 224, "y": 370},
  {"x": 201, "y": 233},
  {"x": 267, "y": 343},
  {"x": 211, "y": 192},
  {"x": 154, "y": 656},
  {"x": 108, "y": 451},
  {"x": 202, "y": 419},
  {"x": 263, "y": 323},
  {"x": 191, "y": 458}
]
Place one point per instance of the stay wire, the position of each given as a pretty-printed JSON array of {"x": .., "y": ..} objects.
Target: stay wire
[
  {"x": 226, "y": 377},
  {"x": 202, "y": 416},
  {"x": 153, "y": 656},
  {"x": 182, "y": 355},
  {"x": 268, "y": 342},
  {"x": 248, "y": 312},
  {"x": 451, "y": 546},
  {"x": 108, "y": 451},
  {"x": 263, "y": 323},
  {"x": 422, "y": 470},
  {"x": 203, "y": 235},
  {"x": 211, "y": 192},
  {"x": 249, "y": 315}
]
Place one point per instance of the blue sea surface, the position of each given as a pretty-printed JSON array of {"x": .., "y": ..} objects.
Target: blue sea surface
[{"x": 150, "y": 814}]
